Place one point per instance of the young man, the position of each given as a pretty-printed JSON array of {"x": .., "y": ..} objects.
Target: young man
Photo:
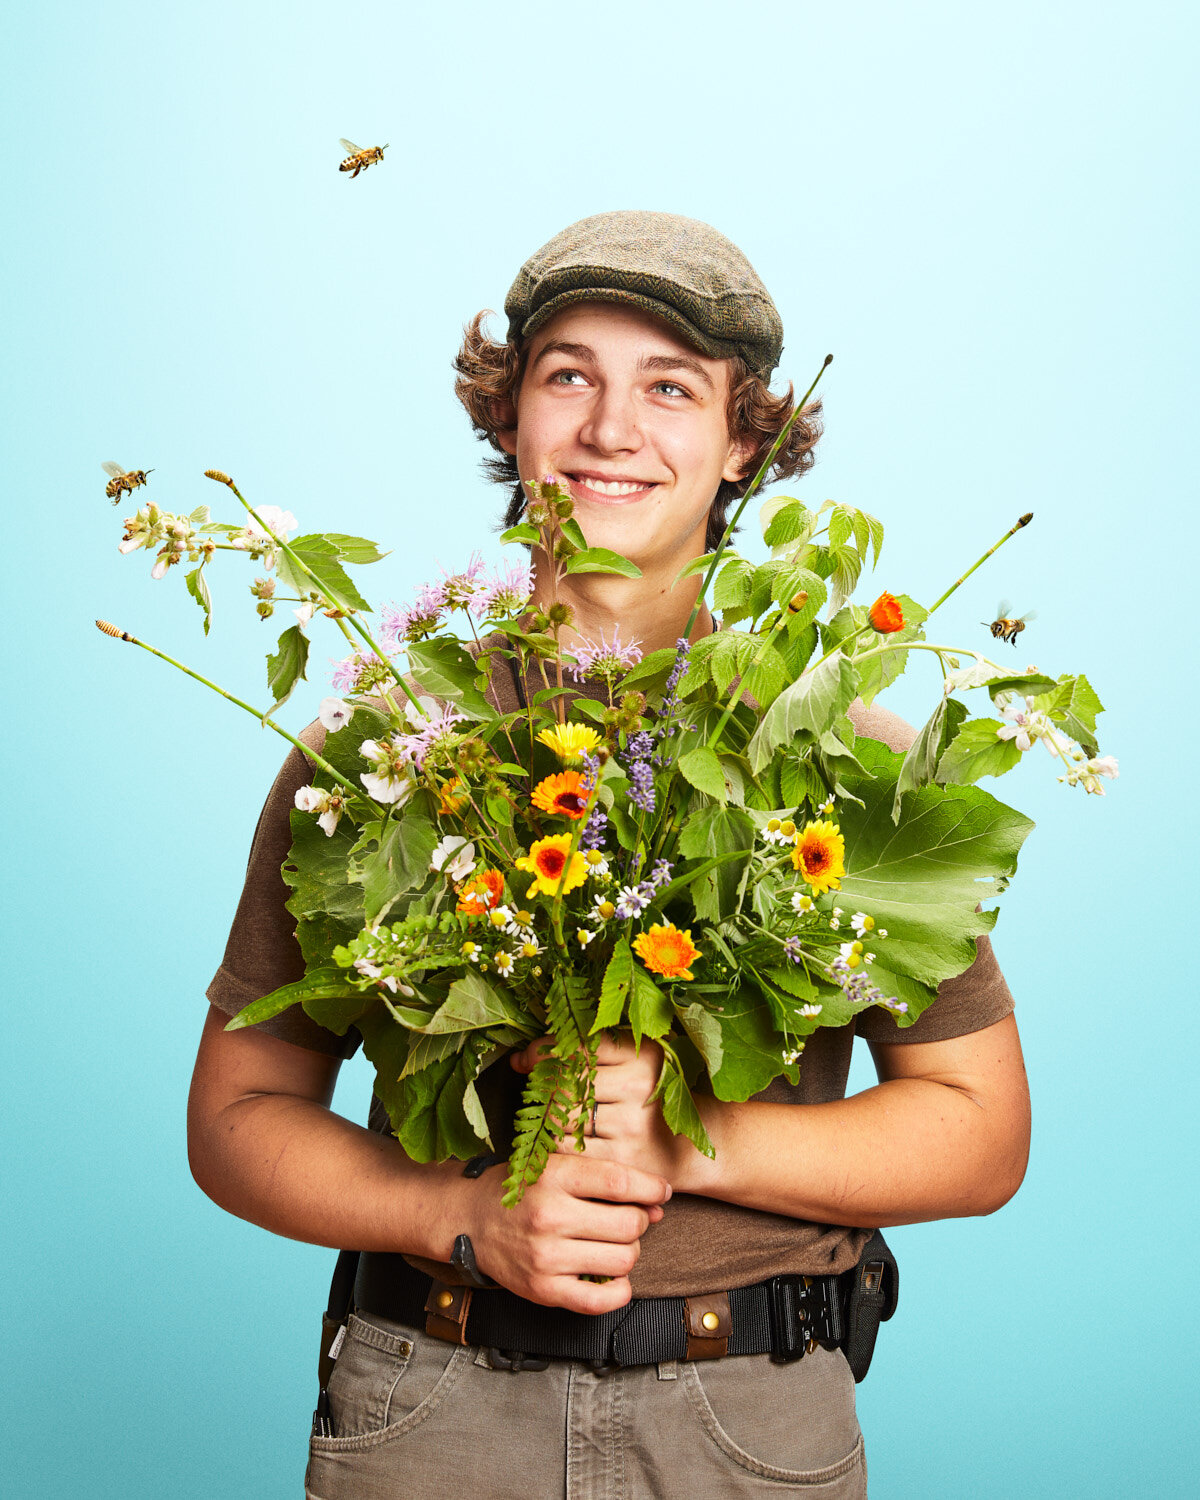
[{"x": 635, "y": 372}]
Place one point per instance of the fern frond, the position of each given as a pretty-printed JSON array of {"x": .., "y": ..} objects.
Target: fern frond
[{"x": 540, "y": 1124}]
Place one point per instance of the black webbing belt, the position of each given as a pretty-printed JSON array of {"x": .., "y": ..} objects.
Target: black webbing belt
[{"x": 780, "y": 1317}]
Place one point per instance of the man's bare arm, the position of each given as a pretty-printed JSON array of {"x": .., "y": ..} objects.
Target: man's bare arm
[{"x": 944, "y": 1134}]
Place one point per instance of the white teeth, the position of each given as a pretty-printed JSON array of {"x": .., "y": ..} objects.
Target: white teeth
[{"x": 616, "y": 487}]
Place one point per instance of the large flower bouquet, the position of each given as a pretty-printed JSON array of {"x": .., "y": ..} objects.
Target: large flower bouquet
[{"x": 691, "y": 844}]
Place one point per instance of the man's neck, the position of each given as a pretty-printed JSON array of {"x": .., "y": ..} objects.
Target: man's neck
[{"x": 647, "y": 609}]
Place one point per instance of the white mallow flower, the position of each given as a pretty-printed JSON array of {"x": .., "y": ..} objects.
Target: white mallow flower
[
  {"x": 390, "y": 982},
  {"x": 308, "y": 798},
  {"x": 1026, "y": 726},
  {"x": 454, "y": 857},
  {"x": 280, "y": 521},
  {"x": 305, "y": 613},
  {"x": 389, "y": 779},
  {"x": 1089, "y": 773},
  {"x": 334, "y": 714},
  {"x": 328, "y": 805},
  {"x": 329, "y": 818}
]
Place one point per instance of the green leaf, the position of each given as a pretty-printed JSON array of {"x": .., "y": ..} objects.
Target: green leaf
[
  {"x": 571, "y": 1014},
  {"x": 1073, "y": 704},
  {"x": 573, "y": 532},
  {"x": 919, "y": 766},
  {"x": 444, "y": 668},
  {"x": 789, "y": 522},
  {"x": 697, "y": 565},
  {"x": 975, "y": 751},
  {"x": 650, "y": 1011},
  {"x": 813, "y": 703},
  {"x": 355, "y": 549},
  {"x": 702, "y": 769},
  {"x": 750, "y": 1047},
  {"x": 324, "y": 983},
  {"x": 473, "y": 1005},
  {"x": 679, "y": 1108},
  {"x": 197, "y": 586},
  {"x": 799, "y": 782},
  {"x": 399, "y": 864},
  {"x": 717, "y": 831},
  {"x": 286, "y": 667},
  {"x": 319, "y": 556},
  {"x": 731, "y": 586},
  {"x": 615, "y": 988},
  {"x": 317, "y": 868},
  {"x": 705, "y": 1032},
  {"x": 651, "y": 672},
  {"x": 541, "y": 1123},
  {"x": 602, "y": 560},
  {"x": 521, "y": 533},
  {"x": 922, "y": 881},
  {"x": 432, "y": 1114}
]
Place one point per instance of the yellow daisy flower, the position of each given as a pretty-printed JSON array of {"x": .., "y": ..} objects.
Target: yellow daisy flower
[
  {"x": 570, "y": 741},
  {"x": 547, "y": 863},
  {"x": 665, "y": 950},
  {"x": 820, "y": 856}
]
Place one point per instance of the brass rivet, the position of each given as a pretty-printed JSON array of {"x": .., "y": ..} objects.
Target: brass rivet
[
  {"x": 710, "y": 1321},
  {"x": 444, "y": 1299}
]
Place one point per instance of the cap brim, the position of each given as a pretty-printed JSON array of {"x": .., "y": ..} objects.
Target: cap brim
[{"x": 714, "y": 348}]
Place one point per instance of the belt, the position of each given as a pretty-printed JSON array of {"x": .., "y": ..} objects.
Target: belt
[{"x": 785, "y": 1317}]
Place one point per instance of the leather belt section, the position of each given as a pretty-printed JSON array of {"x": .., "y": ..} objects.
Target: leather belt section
[
  {"x": 446, "y": 1311},
  {"x": 709, "y": 1324}
]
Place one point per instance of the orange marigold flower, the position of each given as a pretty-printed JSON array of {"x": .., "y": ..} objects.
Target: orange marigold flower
[
  {"x": 562, "y": 794},
  {"x": 451, "y": 801},
  {"x": 886, "y": 614},
  {"x": 665, "y": 950},
  {"x": 820, "y": 856},
  {"x": 481, "y": 893},
  {"x": 547, "y": 863}
]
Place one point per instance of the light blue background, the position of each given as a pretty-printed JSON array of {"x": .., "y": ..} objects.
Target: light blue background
[{"x": 988, "y": 215}]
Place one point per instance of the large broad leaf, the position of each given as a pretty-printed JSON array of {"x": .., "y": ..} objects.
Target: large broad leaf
[
  {"x": 286, "y": 667},
  {"x": 614, "y": 991},
  {"x": 435, "y": 1113},
  {"x": 316, "y": 870},
  {"x": 444, "y": 668},
  {"x": 750, "y": 1054},
  {"x": 814, "y": 703},
  {"x": 705, "y": 1032},
  {"x": 718, "y": 832},
  {"x": 602, "y": 560},
  {"x": 921, "y": 881},
  {"x": 919, "y": 766},
  {"x": 400, "y": 863},
  {"x": 318, "y": 556},
  {"x": 678, "y": 1106},
  {"x": 702, "y": 768},
  {"x": 650, "y": 1012}
]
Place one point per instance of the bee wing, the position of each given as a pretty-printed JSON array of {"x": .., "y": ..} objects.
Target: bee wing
[
  {"x": 114, "y": 471},
  {"x": 1002, "y": 609},
  {"x": 1025, "y": 619},
  {"x": 349, "y": 147}
]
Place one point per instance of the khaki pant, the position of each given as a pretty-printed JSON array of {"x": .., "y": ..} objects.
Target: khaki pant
[{"x": 416, "y": 1418}]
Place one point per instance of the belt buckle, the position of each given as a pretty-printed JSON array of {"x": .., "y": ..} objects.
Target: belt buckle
[
  {"x": 803, "y": 1312},
  {"x": 516, "y": 1360}
]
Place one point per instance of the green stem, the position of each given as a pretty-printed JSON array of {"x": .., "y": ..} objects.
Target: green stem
[
  {"x": 1012, "y": 530},
  {"x": 755, "y": 484},
  {"x": 263, "y": 718},
  {"x": 332, "y": 603}
]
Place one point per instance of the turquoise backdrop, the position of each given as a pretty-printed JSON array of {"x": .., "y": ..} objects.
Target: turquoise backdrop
[{"x": 988, "y": 215}]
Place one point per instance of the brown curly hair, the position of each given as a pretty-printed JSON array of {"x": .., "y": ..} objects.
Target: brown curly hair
[{"x": 488, "y": 376}]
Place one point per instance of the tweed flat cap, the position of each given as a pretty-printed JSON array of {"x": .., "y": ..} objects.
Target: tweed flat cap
[{"x": 681, "y": 270}]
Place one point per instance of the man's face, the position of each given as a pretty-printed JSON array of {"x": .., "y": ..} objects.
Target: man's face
[{"x": 633, "y": 421}]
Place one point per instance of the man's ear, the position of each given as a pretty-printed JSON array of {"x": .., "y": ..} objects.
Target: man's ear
[
  {"x": 736, "y": 465},
  {"x": 504, "y": 417}
]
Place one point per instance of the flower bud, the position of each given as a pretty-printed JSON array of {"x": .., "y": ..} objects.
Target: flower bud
[
  {"x": 265, "y": 609},
  {"x": 885, "y": 614},
  {"x": 560, "y": 613},
  {"x": 219, "y": 475},
  {"x": 797, "y": 602},
  {"x": 564, "y": 509},
  {"x": 537, "y": 515}
]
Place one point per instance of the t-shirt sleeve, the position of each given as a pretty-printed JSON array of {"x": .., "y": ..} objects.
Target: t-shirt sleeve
[
  {"x": 262, "y": 952},
  {"x": 976, "y": 998}
]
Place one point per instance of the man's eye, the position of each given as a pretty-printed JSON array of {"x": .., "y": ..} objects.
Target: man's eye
[
  {"x": 671, "y": 388},
  {"x": 565, "y": 377}
]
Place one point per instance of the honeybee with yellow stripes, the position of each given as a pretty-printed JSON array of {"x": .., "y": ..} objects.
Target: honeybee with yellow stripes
[
  {"x": 359, "y": 158},
  {"x": 123, "y": 481},
  {"x": 1004, "y": 627}
]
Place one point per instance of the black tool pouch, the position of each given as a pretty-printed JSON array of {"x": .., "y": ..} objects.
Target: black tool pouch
[{"x": 870, "y": 1291}]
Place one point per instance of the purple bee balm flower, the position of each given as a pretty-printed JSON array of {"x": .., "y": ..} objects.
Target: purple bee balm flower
[
  {"x": 461, "y": 588},
  {"x": 439, "y": 728},
  {"x": 607, "y": 659},
  {"x": 420, "y": 619},
  {"x": 505, "y": 593},
  {"x": 363, "y": 673}
]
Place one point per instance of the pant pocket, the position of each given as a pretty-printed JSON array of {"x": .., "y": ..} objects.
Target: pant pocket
[{"x": 370, "y": 1364}]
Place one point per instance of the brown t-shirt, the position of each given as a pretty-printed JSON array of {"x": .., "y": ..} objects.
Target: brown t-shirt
[{"x": 701, "y": 1244}]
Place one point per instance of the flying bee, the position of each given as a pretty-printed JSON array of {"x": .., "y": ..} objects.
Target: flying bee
[
  {"x": 359, "y": 157},
  {"x": 123, "y": 481},
  {"x": 1003, "y": 627}
]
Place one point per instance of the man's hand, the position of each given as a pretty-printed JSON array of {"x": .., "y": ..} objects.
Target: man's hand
[
  {"x": 628, "y": 1125},
  {"x": 582, "y": 1217}
]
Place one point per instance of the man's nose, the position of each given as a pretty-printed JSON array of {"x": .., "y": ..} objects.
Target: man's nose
[{"x": 612, "y": 425}]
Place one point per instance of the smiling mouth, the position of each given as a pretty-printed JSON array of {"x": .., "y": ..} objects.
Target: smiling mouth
[{"x": 609, "y": 491}]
